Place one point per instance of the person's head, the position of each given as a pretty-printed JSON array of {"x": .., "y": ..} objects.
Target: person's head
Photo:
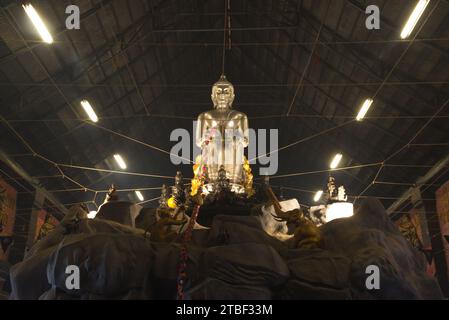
[{"x": 223, "y": 94}]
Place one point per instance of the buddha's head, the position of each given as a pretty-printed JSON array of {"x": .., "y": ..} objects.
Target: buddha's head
[{"x": 223, "y": 94}]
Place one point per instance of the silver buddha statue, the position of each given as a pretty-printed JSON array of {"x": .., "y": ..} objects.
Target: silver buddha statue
[{"x": 222, "y": 134}]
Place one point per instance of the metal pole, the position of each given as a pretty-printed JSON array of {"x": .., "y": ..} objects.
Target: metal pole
[{"x": 422, "y": 180}]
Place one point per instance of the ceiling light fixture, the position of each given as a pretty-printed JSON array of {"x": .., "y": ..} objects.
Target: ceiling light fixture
[
  {"x": 121, "y": 163},
  {"x": 318, "y": 195},
  {"x": 89, "y": 110},
  {"x": 414, "y": 17},
  {"x": 92, "y": 214},
  {"x": 38, "y": 23},
  {"x": 139, "y": 195},
  {"x": 336, "y": 161},
  {"x": 364, "y": 109}
]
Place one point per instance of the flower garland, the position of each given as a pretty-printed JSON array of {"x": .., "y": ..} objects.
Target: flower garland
[{"x": 184, "y": 253}]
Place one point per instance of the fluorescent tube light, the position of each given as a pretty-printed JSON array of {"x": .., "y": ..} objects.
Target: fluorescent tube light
[
  {"x": 89, "y": 110},
  {"x": 336, "y": 161},
  {"x": 121, "y": 163},
  {"x": 318, "y": 195},
  {"x": 139, "y": 195},
  {"x": 38, "y": 23},
  {"x": 364, "y": 109},
  {"x": 414, "y": 17}
]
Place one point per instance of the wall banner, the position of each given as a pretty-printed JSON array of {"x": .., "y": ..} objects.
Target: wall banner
[
  {"x": 8, "y": 198},
  {"x": 442, "y": 196}
]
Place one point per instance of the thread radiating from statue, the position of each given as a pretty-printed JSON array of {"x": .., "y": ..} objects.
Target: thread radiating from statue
[{"x": 222, "y": 134}]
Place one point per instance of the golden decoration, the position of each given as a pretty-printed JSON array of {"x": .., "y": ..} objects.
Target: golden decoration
[
  {"x": 248, "y": 184},
  {"x": 172, "y": 203},
  {"x": 198, "y": 176}
]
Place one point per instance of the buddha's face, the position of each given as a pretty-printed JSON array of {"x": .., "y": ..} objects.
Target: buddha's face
[{"x": 223, "y": 96}]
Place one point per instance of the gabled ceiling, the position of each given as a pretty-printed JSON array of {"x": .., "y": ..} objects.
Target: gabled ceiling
[{"x": 147, "y": 67}]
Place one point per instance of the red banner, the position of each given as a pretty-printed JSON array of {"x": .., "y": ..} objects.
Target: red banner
[
  {"x": 8, "y": 197},
  {"x": 442, "y": 196}
]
